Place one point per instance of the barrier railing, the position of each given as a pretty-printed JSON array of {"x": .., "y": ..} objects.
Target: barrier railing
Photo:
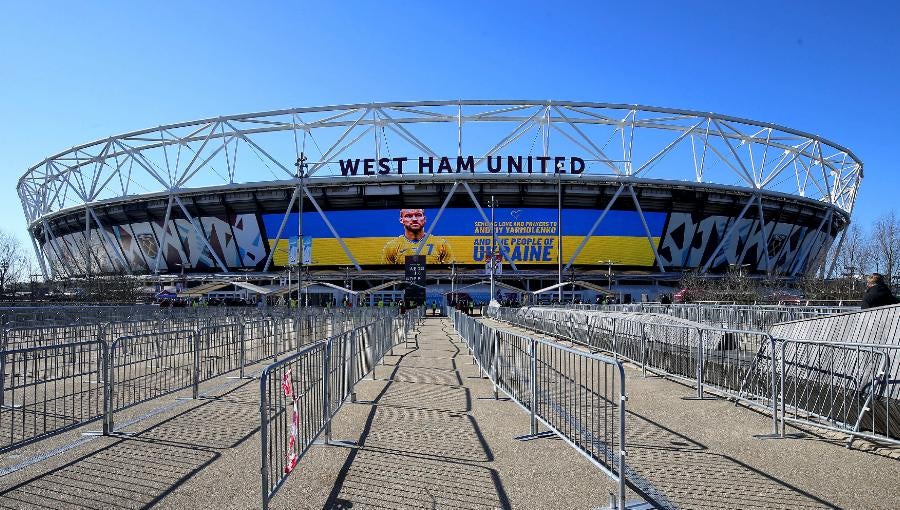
[
  {"x": 47, "y": 390},
  {"x": 152, "y": 361},
  {"x": 742, "y": 317},
  {"x": 300, "y": 394},
  {"x": 843, "y": 387},
  {"x": 577, "y": 395},
  {"x": 851, "y": 394},
  {"x": 38, "y": 336},
  {"x": 148, "y": 366}
]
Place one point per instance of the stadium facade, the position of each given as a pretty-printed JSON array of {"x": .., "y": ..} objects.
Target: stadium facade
[{"x": 576, "y": 191}]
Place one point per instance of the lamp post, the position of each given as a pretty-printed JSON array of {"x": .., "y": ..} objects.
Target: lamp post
[
  {"x": 609, "y": 265},
  {"x": 492, "y": 263},
  {"x": 559, "y": 168},
  {"x": 301, "y": 176}
]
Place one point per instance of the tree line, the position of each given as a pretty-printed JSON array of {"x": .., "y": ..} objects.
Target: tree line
[{"x": 864, "y": 251}]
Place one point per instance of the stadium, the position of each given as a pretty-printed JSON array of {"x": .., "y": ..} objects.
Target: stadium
[{"x": 573, "y": 199}]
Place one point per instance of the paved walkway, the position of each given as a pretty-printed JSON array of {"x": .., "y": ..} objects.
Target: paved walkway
[
  {"x": 709, "y": 453},
  {"x": 431, "y": 435}
]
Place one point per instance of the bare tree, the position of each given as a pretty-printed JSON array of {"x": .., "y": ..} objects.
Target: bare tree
[
  {"x": 885, "y": 245},
  {"x": 854, "y": 258},
  {"x": 11, "y": 260}
]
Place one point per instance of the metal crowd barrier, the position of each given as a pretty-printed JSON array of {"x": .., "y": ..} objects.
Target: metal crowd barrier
[
  {"x": 148, "y": 366},
  {"x": 46, "y": 390},
  {"x": 25, "y": 337},
  {"x": 577, "y": 395},
  {"x": 844, "y": 387},
  {"x": 743, "y": 317},
  {"x": 847, "y": 387},
  {"x": 711, "y": 358},
  {"x": 43, "y": 371},
  {"x": 300, "y": 394}
]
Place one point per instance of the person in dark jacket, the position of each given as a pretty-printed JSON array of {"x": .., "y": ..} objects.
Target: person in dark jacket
[{"x": 877, "y": 293}]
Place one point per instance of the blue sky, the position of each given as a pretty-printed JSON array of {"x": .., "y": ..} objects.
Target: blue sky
[{"x": 73, "y": 72}]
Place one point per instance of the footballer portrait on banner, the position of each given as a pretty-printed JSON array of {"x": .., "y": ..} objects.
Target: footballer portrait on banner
[{"x": 436, "y": 249}]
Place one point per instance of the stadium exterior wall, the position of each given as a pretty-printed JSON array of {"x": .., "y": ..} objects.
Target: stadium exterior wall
[{"x": 670, "y": 227}]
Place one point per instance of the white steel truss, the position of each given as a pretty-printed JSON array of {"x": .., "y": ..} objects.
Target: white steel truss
[{"x": 626, "y": 142}]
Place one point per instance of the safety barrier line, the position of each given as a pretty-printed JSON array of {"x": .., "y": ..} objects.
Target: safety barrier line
[
  {"x": 62, "y": 381},
  {"x": 837, "y": 386},
  {"x": 584, "y": 410},
  {"x": 301, "y": 394}
]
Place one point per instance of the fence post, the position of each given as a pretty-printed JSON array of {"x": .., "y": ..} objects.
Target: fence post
[
  {"x": 774, "y": 390},
  {"x": 297, "y": 324},
  {"x": 195, "y": 391},
  {"x": 700, "y": 360},
  {"x": 496, "y": 365},
  {"x": 533, "y": 406},
  {"x": 476, "y": 329},
  {"x": 3, "y": 374},
  {"x": 781, "y": 389},
  {"x": 326, "y": 390},
  {"x": 243, "y": 355},
  {"x": 643, "y": 350},
  {"x": 615, "y": 340},
  {"x": 623, "y": 397},
  {"x": 264, "y": 437},
  {"x": 108, "y": 388},
  {"x": 351, "y": 339}
]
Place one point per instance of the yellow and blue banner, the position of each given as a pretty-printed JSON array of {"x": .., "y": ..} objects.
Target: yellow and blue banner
[{"x": 461, "y": 235}]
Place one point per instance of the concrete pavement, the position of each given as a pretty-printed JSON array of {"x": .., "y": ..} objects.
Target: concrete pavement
[{"x": 431, "y": 435}]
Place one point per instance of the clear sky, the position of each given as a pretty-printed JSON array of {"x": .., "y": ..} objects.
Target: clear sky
[{"x": 73, "y": 72}]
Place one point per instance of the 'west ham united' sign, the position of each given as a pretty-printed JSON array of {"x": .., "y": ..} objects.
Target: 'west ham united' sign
[{"x": 459, "y": 164}]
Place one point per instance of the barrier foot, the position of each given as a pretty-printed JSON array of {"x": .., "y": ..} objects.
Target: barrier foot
[
  {"x": 115, "y": 433},
  {"x": 768, "y": 436},
  {"x": 704, "y": 397},
  {"x": 539, "y": 435},
  {"x": 241, "y": 377},
  {"x": 343, "y": 443}
]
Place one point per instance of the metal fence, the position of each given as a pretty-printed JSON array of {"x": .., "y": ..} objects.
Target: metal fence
[
  {"x": 46, "y": 390},
  {"x": 148, "y": 366},
  {"x": 711, "y": 358},
  {"x": 842, "y": 386},
  {"x": 45, "y": 387},
  {"x": 300, "y": 394},
  {"x": 743, "y": 317},
  {"x": 579, "y": 396}
]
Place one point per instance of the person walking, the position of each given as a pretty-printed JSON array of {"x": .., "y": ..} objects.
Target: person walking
[{"x": 877, "y": 293}]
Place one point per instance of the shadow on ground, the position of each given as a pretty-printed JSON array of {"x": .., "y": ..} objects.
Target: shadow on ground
[
  {"x": 139, "y": 471},
  {"x": 420, "y": 447}
]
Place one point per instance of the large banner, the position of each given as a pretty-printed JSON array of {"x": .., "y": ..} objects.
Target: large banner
[{"x": 463, "y": 236}]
